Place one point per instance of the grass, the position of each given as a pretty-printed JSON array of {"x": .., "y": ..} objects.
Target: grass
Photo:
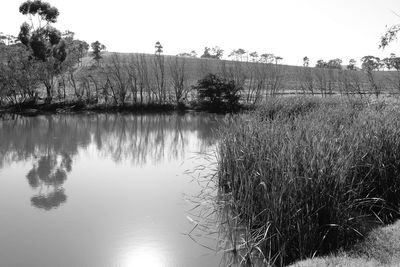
[
  {"x": 381, "y": 247},
  {"x": 309, "y": 176}
]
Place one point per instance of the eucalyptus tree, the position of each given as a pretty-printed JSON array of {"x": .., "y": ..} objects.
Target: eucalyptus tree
[
  {"x": 97, "y": 49},
  {"x": 193, "y": 53},
  {"x": 254, "y": 56},
  {"x": 267, "y": 58},
  {"x": 238, "y": 54},
  {"x": 277, "y": 59},
  {"x": 389, "y": 36},
  {"x": 159, "y": 48},
  {"x": 393, "y": 63},
  {"x": 43, "y": 41},
  {"x": 352, "y": 64},
  {"x": 306, "y": 61},
  {"x": 370, "y": 64},
  {"x": 215, "y": 52}
]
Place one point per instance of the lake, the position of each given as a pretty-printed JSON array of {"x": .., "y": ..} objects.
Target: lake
[{"x": 105, "y": 190}]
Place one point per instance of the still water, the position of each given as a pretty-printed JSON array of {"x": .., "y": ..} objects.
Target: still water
[{"x": 103, "y": 190}]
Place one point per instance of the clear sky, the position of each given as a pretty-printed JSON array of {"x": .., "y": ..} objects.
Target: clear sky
[{"x": 292, "y": 29}]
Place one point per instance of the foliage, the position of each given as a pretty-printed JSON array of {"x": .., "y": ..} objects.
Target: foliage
[
  {"x": 216, "y": 52},
  {"x": 370, "y": 64},
  {"x": 389, "y": 36},
  {"x": 306, "y": 61},
  {"x": 352, "y": 64},
  {"x": 97, "y": 47},
  {"x": 44, "y": 41},
  {"x": 309, "y": 177},
  {"x": 331, "y": 64},
  {"x": 392, "y": 62},
  {"x": 159, "y": 48},
  {"x": 19, "y": 77},
  {"x": 238, "y": 54},
  {"x": 216, "y": 93}
]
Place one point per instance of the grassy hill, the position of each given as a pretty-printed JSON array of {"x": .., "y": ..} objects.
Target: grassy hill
[
  {"x": 121, "y": 78},
  {"x": 271, "y": 77}
]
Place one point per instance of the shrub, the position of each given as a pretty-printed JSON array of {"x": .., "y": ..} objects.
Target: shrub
[{"x": 217, "y": 94}]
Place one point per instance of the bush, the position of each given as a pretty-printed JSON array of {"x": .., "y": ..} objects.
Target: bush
[
  {"x": 217, "y": 94},
  {"x": 314, "y": 180}
]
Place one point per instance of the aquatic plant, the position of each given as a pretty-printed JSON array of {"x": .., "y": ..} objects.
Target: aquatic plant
[{"x": 310, "y": 176}]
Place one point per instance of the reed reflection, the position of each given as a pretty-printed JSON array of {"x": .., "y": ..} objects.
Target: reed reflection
[{"x": 52, "y": 143}]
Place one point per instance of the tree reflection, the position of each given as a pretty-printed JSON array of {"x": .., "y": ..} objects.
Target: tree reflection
[
  {"x": 49, "y": 174},
  {"x": 52, "y": 143}
]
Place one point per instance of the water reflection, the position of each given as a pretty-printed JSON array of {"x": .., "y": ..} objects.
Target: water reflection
[
  {"x": 52, "y": 142},
  {"x": 49, "y": 174}
]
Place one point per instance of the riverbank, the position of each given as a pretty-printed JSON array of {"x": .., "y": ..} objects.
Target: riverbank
[
  {"x": 311, "y": 176},
  {"x": 29, "y": 109},
  {"x": 380, "y": 248}
]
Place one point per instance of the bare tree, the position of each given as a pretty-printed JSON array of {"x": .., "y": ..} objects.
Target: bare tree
[
  {"x": 118, "y": 78},
  {"x": 178, "y": 79}
]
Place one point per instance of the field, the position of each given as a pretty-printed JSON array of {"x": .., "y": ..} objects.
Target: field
[{"x": 311, "y": 176}]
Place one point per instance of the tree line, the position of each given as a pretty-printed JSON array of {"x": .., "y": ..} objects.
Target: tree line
[{"x": 42, "y": 63}]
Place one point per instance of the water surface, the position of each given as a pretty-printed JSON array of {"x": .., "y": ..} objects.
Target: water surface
[{"x": 102, "y": 190}]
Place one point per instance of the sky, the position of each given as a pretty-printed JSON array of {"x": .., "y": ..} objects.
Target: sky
[{"x": 292, "y": 29}]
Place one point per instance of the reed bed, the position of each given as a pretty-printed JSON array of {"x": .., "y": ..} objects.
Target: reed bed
[{"x": 309, "y": 176}]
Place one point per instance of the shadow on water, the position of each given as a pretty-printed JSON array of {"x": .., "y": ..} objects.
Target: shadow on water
[{"x": 52, "y": 142}]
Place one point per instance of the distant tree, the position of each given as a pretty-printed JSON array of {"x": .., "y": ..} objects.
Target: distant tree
[
  {"x": 97, "y": 47},
  {"x": 352, "y": 64},
  {"x": 393, "y": 63},
  {"x": 184, "y": 54},
  {"x": 277, "y": 59},
  {"x": 335, "y": 63},
  {"x": 159, "y": 73},
  {"x": 159, "y": 48},
  {"x": 238, "y": 54},
  {"x": 76, "y": 49},
  {"x": 254, "y": 56},
  {"x": 306, "y": 61},
  {"x": 81, "y": 48},
  {"x": 193, "y": 53},
  {"x": 8, "y": 39},
  {"x": 370, "y": 64},
  {"x": 267, "y": 58},
  {"x": 216, "y": 52},
  {"x": 321, "y": 64}
]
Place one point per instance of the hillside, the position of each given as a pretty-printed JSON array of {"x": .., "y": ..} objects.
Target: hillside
[{"x": 274, "y": 78}]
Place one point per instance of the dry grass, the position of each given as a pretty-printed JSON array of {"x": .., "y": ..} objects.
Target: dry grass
[{"x": 380, "y": 248}]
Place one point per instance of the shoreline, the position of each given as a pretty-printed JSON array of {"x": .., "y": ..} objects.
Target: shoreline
[{"x": 72, "y": 107}]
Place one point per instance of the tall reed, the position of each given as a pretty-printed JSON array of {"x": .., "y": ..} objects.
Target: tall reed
[{"x": 310, "y": 176}]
